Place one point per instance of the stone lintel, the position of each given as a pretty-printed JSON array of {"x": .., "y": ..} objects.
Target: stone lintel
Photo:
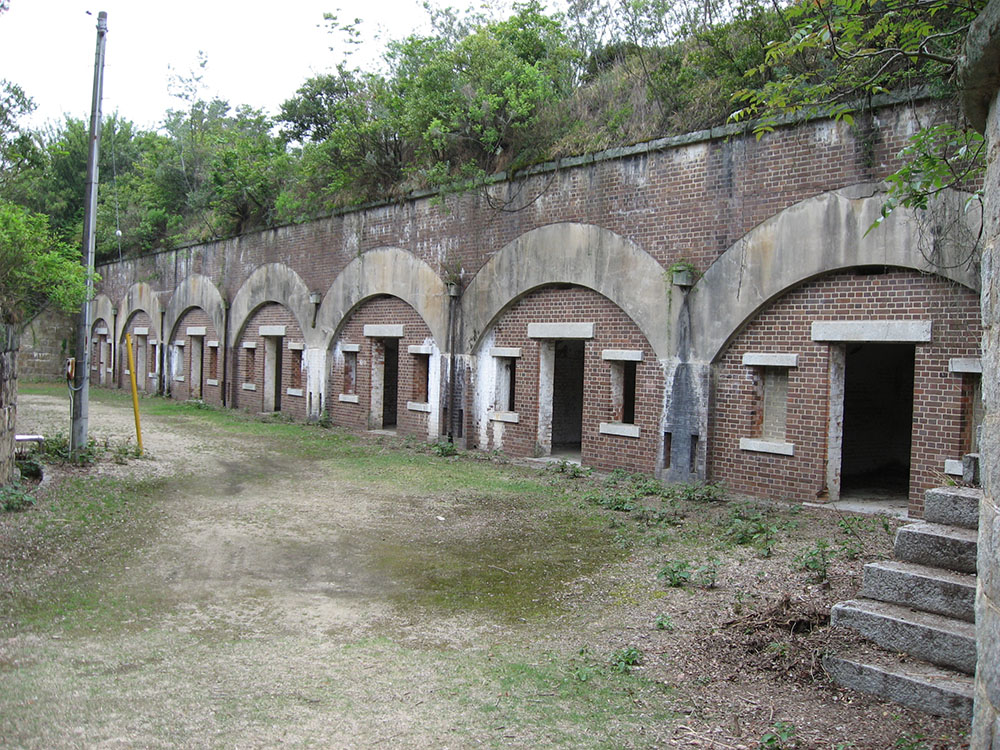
[
  {"x": 765, "y": 359},
  {"x": 622, "y": 355},
  {"x": 878, "y": 331},
  {"x": 965, "y": 364},
  {"x": 383, "y": 331},
  {"x": 511, "y": 352},
  {"x": 560, "y": 330}
]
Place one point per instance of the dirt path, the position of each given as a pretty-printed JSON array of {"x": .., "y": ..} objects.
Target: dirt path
[{"x": 290, "y": 595}]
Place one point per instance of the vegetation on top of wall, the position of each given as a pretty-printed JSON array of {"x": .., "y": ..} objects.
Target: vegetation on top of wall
[{"x": 484, "y": 94}]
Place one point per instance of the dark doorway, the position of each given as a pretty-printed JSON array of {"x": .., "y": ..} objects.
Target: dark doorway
[
  {"x": 567, "y": 396},
  {"x": 878, "y": 418},
  {"x": 390, "y": 381}
]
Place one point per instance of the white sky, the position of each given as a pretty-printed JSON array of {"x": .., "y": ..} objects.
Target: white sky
[{"x": 258, "y": 52}]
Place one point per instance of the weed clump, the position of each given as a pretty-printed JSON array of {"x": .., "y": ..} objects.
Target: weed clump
[
  {"x": 14, "y": 497},
  {"x": 748, "y": 525}
]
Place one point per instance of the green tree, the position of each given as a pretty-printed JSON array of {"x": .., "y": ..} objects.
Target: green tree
[
  {"x": 477, "y": 106},
  {"x": 35, "y": 267},
  {"x": 836, "y": 54},
  {"x": 351, "y": 150},
  {"x": 246, "y": 171},
  {"x": 18, "y": 148}
]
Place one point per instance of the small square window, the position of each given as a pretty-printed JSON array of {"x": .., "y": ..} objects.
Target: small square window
[
  {"x": 249, "y": 365},
  {"x": 296, "y": 373},
  {"x": 506, "y": 392},
  {"x": 421, "y": 377}
]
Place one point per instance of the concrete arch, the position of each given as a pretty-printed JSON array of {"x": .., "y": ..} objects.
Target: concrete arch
[
  {"x": 273, "y": 282},
  {"x": 139, "y": 297},
  {"x": 816, "y": 236},
  {"x": 389, "y": 271},
  {"x": 195, "y": 291},
  {"x": 571, "y": 253},
  {"x": 102, "y": 307}
]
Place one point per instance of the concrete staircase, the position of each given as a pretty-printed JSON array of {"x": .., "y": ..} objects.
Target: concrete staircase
[{"x": 919, "y": 607}]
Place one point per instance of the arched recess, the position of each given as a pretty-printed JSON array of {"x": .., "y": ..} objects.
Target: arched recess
[
  {"x": 386, "y": 271},
  {"x": 273, "y": 282},
  {"x": 140, "y": 296},
  {"x": 195, "y": 291},
  {"x": 814, "y": 237},
  {"x": 571, "y": 253}
]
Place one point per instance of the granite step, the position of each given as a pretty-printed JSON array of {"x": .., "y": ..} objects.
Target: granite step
[
  {"x": 937, "y": 545},
  {"x": 917, "y": 684},
  {"x": 942, "y": 592},
  {"x": 933, "y": 638},
  {"x": 953, "y": 506}
]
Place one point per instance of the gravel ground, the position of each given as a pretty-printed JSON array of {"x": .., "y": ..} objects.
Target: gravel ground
[{"x": 273, "y": 598}]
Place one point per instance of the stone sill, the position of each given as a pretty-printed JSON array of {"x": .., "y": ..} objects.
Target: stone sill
[
  {"x": 619, "y": 428},
  {"x": 767, "y": 446},
  {"x": 419, "y": 406},
  {"x": 348, "y": 398},
  {"x": 249, "y": 387},
  {"x": 505, "y": 416},
  {"x": 294, "y": 391}
]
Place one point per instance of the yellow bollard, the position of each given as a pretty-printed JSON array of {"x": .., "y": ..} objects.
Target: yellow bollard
[{"x": 135, "y": 391}]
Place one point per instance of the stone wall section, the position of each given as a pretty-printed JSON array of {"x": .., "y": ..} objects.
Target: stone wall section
[
  {"x": 613, "y": 330},
  {"x": 181, "y": 358},
  {"x": 688, "y": 201},
  {"x": 292, "y": 399},
  {"x": 8, "y": 400},
  {"x": 785, "y": 328},
  {"x": 981, "y": 88},
  {"x": 360, "y": 413},
  {"x": 145, "y": 353},
  {"x": 46, "y": 342}
]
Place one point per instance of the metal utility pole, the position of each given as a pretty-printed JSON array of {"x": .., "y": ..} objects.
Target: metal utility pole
[{"x": 80, "y": 389}]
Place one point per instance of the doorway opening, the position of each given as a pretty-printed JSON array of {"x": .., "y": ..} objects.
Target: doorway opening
[
  {"x": 567, "y": 397},
  {"x": 878, "y": 419},
  {"x": 273, "y": 354},
  {"x": 197, "y": 356},
  {"x": 390, "y": 381},
  {"x": 139, "y": 357}
]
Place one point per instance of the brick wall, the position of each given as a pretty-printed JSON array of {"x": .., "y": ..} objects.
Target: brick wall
[
  {"x": 211, "y": 392},
  {"x": 690, "y": 201},
  {"x": 785, "y": 327},
  {"x": 145, "y": 352},
  {"x": 102, "y": 335},
  {"x": 382, "y": 310},
  {"x": 294, "y": 403},
  {"x": 612, "y": 330}
]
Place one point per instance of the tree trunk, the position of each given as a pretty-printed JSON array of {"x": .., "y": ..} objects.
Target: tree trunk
[{"x": 8, "y": 399}]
